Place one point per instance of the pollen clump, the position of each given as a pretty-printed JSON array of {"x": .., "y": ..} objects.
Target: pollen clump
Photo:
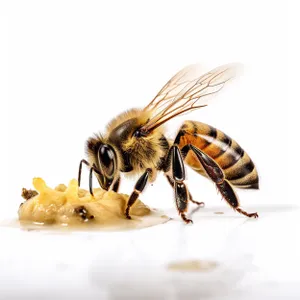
[{"x": 71, "y": 205}]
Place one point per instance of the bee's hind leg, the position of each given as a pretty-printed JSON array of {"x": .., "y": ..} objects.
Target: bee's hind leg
[
  {"x": 171, "y": 181},
  {"x": 216, "y": 174}
]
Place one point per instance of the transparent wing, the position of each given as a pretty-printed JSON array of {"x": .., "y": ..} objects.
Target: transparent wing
[{"x": 187, "y": 91}]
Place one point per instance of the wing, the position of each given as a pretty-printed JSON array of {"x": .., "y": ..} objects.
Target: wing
[{"x": 187, "y": 91}]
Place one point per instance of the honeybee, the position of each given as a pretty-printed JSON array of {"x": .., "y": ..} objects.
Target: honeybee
[{"x": 135, "y": 143}]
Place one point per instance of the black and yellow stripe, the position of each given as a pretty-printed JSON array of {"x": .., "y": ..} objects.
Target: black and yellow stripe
[{"x": 238, "y": 167}]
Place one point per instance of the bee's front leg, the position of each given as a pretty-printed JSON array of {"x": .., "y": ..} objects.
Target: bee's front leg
[
  {"x": 138, "y": 188},
  {"x": 116, "y": 185},
  {"x": 92, "y": 169},
  {"x": 83, "y": 161}
]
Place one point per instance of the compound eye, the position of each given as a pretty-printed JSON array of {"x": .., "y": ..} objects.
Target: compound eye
[{"x": 107, "y": 159}]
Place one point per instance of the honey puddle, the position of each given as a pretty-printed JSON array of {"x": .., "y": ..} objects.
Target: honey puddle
[
  {"x": 71, "y": 208},
  {"x": 155, "y": 218}
]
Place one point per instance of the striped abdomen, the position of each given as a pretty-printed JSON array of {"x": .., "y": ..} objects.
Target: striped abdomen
[{"x": 238, "y": 167}]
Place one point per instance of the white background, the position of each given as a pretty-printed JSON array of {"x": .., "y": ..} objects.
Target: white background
[{"x": 69, "y": 67}]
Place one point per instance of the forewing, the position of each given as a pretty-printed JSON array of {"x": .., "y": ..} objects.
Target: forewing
[{"x": 187, "y": 91}]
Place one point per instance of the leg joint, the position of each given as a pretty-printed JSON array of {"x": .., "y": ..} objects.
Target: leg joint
[{"x": 178, "y": 136}]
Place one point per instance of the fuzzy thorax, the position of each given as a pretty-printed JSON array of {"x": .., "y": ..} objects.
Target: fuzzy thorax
[{"x": 145, "y": 152}]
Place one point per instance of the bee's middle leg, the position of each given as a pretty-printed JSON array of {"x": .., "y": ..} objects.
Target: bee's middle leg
[
  {"x": 138, "y": 188},
  {"x": 171, "y": 181},
  {"x": 175, "y": 163}
]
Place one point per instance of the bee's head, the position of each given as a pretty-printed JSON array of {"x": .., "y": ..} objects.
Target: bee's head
[
  {"x": 107, "y": 166},
  {"x": 103, "y": 157}
]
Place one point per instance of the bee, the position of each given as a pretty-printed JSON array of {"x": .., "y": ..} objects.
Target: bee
[{"x": 135, "y": 143}]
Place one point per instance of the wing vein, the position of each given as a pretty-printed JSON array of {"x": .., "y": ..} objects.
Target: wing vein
[{"x": 184, "y": 92}]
